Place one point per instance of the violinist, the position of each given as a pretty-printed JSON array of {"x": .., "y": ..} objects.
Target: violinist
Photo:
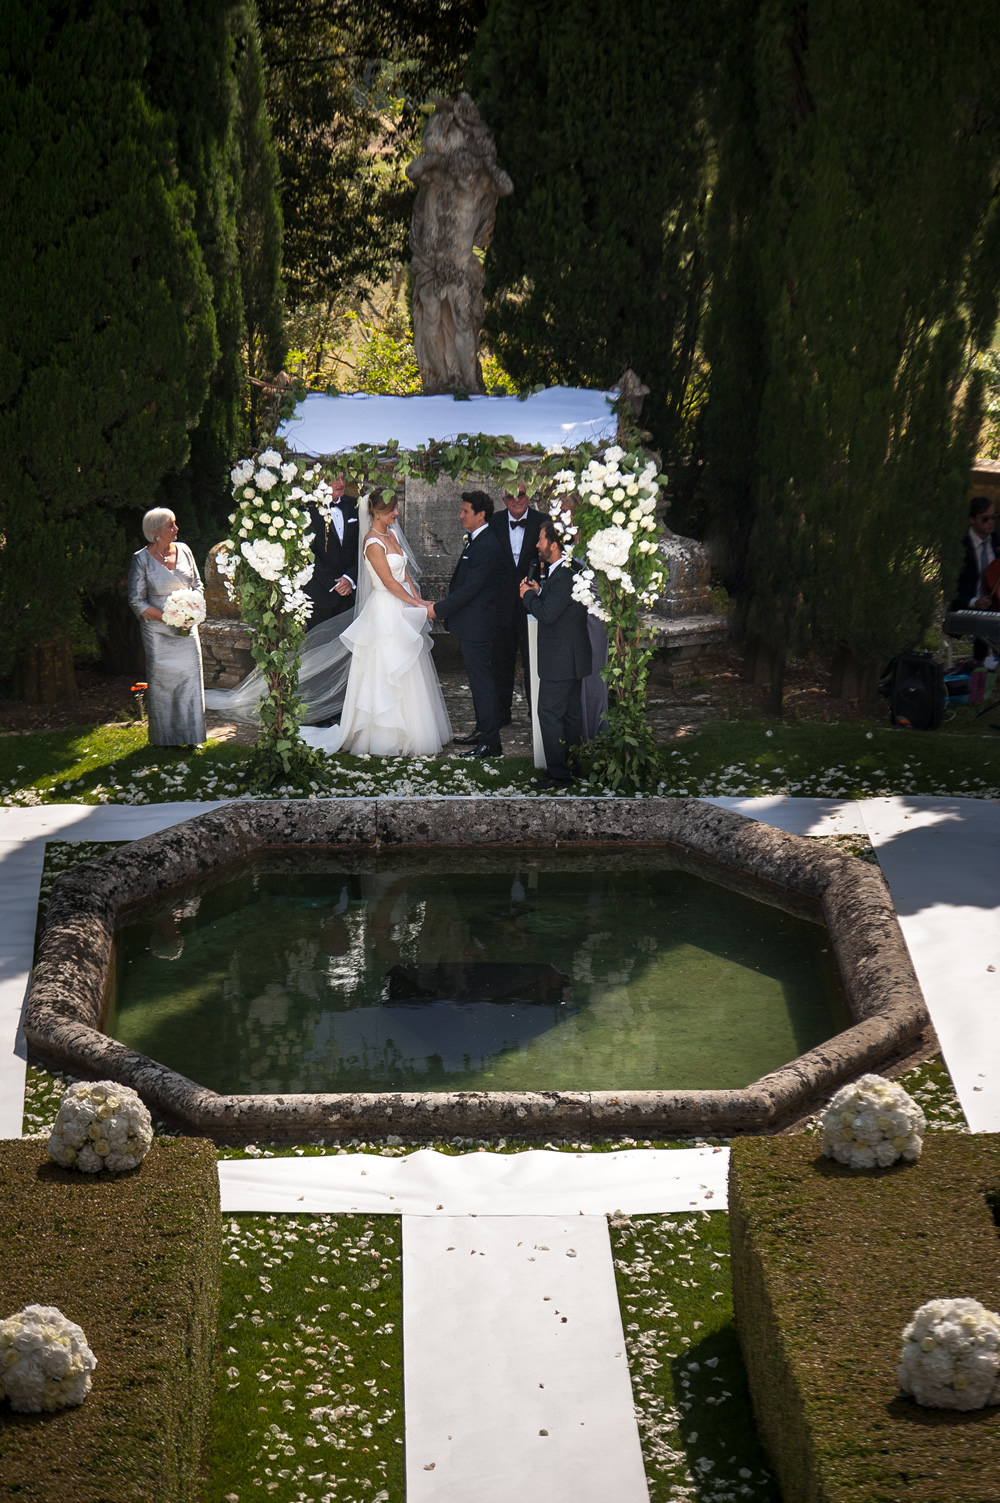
[{"x": 979, "y": 581}]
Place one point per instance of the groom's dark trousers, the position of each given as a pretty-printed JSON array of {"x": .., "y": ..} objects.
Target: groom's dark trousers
[{"x": 469, "y": 610}]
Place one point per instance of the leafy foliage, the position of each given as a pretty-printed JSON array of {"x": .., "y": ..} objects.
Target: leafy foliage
[
  {"x": 345, "y": 83},
  {"x": 109, "y": 335},
  {"x": 854, "y": 238},
  {"x": 259, "y": 230},
  {"x": 597, "y": 261}
]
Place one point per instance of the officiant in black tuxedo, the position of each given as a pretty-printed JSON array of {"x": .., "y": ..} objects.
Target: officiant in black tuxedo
[
  {"x": 565, "y": 657},
  {"x": 516, "y": 529},
  {"x": 470, "y": 611},
  {"x": 334, "y": 582}
]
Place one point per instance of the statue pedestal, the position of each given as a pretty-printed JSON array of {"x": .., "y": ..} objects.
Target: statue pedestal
[
  {"x": 225, "y": 652},
  {"x": 225, "y": 640},
  {"x": 682, "y": 624}
]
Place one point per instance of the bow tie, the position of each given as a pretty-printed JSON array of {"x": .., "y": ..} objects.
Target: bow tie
[{"x": 519, "y": 523}]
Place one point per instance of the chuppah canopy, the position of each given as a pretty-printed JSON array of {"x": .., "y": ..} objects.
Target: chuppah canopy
[{"x": 563, "y": 415}]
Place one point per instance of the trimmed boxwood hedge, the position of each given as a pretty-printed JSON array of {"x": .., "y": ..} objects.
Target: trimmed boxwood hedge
[
  {"x": 135, "y": 1259},
  {"x": 828, "y": 1266}
]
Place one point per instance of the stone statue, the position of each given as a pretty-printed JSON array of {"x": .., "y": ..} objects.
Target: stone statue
[{"x": 458, "y": 183}]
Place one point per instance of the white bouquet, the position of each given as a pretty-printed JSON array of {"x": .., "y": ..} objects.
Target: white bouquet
[
  {"x": 100, "y": 1125},
  {"x": 951, "y": 1355},
  {"x": 184, "y": 609},
  {"x": 45, "y": 1362},
  {"x": 872, "y": 1123}
]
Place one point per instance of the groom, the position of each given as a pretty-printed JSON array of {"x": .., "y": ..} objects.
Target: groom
[{"x": 470, "y": 611}]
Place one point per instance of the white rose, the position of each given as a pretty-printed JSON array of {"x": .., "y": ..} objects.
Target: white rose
[
  {"x": 269, "y": 457},
  {"x": 266, "y": 480},
  {"x": 250, "y": 493},
  {"x": 618, "y": 518}
]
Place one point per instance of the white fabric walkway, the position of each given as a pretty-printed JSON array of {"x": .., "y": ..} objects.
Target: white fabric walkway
[
  {"x": 515, "y": 1375},
  {"x": 638, "y": 1181}
]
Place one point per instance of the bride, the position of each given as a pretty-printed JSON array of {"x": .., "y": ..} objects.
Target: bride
[
  {"x": 393, "y": 705},
  {"x": 373, "y": 666}
]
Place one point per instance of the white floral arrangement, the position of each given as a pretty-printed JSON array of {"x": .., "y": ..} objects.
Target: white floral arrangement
[
  {"x": 872, "y": 1123},
  {"x": 184, "y": 609},
  {"x": 269, "y": 530},
  {"x": 45, "y": 1362},
  {"x": 951, "y": 1355},
  {"x": 614, "y": 519},
  {"x": 100, "y": 1125}
]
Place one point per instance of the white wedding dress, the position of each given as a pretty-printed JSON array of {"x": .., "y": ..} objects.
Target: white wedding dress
[{"x": 393, "y": 705}]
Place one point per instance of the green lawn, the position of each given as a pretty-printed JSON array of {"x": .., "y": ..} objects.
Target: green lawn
[{"x": 114, "y": 764}]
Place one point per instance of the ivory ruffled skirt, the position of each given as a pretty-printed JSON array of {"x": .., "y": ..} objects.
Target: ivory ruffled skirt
[{"x": 394, "y": 705}]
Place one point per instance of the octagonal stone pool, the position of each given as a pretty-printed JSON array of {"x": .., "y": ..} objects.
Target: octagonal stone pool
[{"x": 485, "y": 966}]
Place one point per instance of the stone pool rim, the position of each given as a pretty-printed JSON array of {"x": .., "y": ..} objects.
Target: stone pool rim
[{"x": 70, "y": 981}]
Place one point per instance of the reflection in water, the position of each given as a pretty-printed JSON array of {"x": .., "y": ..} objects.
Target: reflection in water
[{"x": 419, "y": 977}]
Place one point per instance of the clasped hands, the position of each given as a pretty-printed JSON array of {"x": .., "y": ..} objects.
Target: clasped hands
[{"x": 528, "y": 584}]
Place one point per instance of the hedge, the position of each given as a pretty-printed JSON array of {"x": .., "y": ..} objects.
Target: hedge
[
  {"x": 135, "y": 1259},
  {"x": 828, "y": 1266}
]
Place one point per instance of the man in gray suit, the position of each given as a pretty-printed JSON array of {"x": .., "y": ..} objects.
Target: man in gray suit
[{"x": 564, "y": 656}]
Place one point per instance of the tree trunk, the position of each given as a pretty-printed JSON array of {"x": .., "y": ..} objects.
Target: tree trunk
[
  {"x": 117, "y": 631},
  {"x": 853, "y": 678},
  {"x": 764, "y": 669},
  {"x": 44, "y": 675}
]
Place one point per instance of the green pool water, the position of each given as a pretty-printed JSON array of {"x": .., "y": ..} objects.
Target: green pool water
[{"x": 575, "y": 972}]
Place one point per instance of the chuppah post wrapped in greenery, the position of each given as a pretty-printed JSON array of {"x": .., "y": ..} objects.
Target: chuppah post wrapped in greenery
[
  {"x": 605, "y": 505},
  {"x": 265, "y": 563}
]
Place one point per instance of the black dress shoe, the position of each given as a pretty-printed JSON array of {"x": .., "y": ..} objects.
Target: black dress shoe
[
  {"x": 547, "y": 784},
  {"x": 483, "y": 751},
  {"x": 472, "y": 739}
]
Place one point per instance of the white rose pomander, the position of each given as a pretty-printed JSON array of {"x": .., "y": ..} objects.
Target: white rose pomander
[
  {"x": 951, "y": 1355},
  {"x": 45, "y": 1362},
  {"x": 184, "y": 609},
  {"x": 872, "y": 1123},
  {"x": 100, "y": 1125}
]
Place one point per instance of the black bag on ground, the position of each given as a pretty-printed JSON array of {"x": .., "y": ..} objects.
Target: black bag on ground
[{"x": 913, "y": 683}]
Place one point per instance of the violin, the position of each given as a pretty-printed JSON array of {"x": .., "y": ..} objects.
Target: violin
[{"x": 991, "y": 584}]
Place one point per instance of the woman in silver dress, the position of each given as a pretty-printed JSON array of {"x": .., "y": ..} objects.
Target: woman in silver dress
[{"x": 175, "y": 698}]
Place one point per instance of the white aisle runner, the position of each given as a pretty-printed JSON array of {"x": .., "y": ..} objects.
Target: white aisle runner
[{"x": 515, "y": 1375}]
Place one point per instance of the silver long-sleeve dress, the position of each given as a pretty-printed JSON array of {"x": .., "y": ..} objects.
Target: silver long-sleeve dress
[{"x": 175, "y": 698}]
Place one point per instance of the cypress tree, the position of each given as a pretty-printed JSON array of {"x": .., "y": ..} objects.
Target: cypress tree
[
  {"x": 108, "y": 330},
  {"x": 191, "y": 77},
  {"x": 863, "y": 276},
  {"x": 259, "y": 228},
  {"x": 597, "y": 260}
]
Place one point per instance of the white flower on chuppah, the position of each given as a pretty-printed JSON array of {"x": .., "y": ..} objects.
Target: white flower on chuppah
[
  {"x": 872, "y": 1123},
  {"x": 184, "y": 609},
  {"x": 608, "y": 550},
  {"x": 45, "y": 1362},
  {"x": 951, "y": 1355},
  {"x": 266, "y": 559},
  {"x": 100, "y": 1125}
]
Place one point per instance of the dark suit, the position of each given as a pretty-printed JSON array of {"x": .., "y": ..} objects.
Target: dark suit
[
  {"x": 470, "y": 611},
  {"x": 512, "y": 623},
  {"x": 969, "y": 581},
  {"x": 565, "y": 658},
  {"x": 334, "y": 558}
]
